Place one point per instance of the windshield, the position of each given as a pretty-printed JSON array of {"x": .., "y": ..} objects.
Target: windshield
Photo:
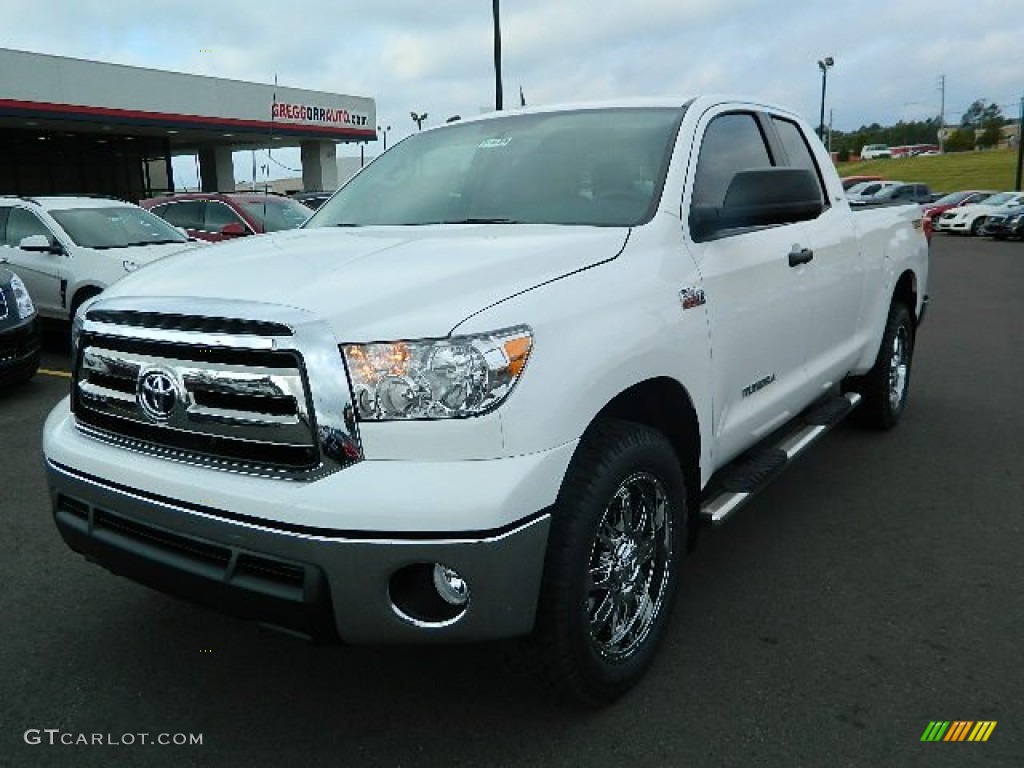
[
  {"x": 999, "y": 199},
  {"x": 592, "y": 167},
  {"x": 952, "y": 198},
  {"x": 115, "y": 226},
  {"x": 277, "y": 213}
]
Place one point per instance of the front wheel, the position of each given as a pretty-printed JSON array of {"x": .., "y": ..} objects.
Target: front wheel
[
  {"x": 884, "y": 387},
  {"x": 617, "y": 537}
]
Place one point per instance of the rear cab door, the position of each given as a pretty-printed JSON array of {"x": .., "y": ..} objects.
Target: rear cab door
[{"x": 838, "y": 270}]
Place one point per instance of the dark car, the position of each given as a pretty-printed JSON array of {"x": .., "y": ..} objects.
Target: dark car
[
  {"x": 1009, "y": 223},
  {"x": 312, "y": 199},
  {"x": 221, "y": 216},
  {"x": 19, "y": 330},
  {"x": 906, "y": 193}
]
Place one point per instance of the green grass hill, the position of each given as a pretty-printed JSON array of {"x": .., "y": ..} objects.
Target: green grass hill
[{"x": 992, "y": 169}]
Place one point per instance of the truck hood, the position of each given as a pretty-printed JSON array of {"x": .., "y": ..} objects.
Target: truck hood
[{"x": 380, "y": 283}]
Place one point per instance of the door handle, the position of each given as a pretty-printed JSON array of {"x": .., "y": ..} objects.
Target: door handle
[{"x": 800, "y": 256}]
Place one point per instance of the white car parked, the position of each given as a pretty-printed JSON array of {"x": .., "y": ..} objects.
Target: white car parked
[
  {"x": 969, "y": 219},
  {"x": 875, "y": 151},
  {"x": 67, "y": 249}
]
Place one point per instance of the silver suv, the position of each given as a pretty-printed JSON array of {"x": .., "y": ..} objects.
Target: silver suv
[{"x": 67, "y": 249}]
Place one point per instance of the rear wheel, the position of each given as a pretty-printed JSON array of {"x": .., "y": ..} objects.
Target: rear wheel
[
  {"x": 618, "y": 534},
  {"x": 884, "y": 387}
]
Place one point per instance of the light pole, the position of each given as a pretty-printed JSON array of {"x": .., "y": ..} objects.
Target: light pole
[
  {"x": 418, "y": 119},
  {"x": 497, "y": 56},
  {"x": 824, "y": 65},
  {"x": 384, "y": 130}
]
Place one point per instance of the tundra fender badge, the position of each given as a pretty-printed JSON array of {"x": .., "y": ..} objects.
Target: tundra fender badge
[
  {"x": 758, "y": 385},
  {"x": 692, "y": 297}
]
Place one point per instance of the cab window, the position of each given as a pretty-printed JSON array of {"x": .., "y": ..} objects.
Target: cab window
[{"x": 733, "y": 142}]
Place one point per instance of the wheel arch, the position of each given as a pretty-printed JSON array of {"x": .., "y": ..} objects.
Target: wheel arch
[
  {"x": 664, "y": 404},
  {"x": 905, "y": 291},
  {"x": 82, "y": 293}
]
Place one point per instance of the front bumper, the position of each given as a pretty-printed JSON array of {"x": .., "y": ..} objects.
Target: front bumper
[
  {"x": 322, "y": 586},
  {"x": 19, "y": 351}
]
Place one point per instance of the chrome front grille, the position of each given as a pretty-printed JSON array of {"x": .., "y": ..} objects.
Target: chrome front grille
[{"x": 227, "y": 392}]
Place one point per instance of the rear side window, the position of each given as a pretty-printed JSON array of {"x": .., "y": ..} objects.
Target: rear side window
[
  {"x": 797, "y": 151},
  {"x": 187, "y": 214},
  {"x": 733, "y": 142},
  {"x": 22, "y": 224},
  {"x": 218, "y": 215}
]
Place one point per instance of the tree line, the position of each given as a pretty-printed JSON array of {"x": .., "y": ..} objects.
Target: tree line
[{"x": 979, "y": 128}]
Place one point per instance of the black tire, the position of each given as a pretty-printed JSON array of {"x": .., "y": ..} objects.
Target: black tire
[
  {"x": 588, "y": 647},
  {"x": 976, "y": 226},
  {"x": 884, "y": 388},
  {"x": 80, "y": 298}
]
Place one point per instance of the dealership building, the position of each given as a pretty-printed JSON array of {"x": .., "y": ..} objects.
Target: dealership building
[{"x": 87, "y": 127}]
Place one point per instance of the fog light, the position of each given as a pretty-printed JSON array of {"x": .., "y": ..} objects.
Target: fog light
[{"x": 452, "y": 588}]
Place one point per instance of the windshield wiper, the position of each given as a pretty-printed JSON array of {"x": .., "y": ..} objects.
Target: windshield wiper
[
  {"x": 132, "y": 245},
  {"x": 482, "y": 220}
]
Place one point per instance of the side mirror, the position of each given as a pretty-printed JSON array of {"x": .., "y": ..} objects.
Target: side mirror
[
  {"x": 234, "y": 229},
  {"x": 761, "y": 197},
  {"x": 39, "y": 244}
]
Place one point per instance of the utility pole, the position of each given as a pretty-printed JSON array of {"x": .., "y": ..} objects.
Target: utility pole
[
  {"x": 1020, "y": 144},
  {"x": 942, "y": 112}
]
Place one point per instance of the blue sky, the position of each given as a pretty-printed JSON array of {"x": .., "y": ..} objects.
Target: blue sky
[{"x": 437, "y": 57}]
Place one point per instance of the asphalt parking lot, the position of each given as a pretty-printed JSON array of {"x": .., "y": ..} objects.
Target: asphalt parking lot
[{"x": 874, "y": 588}]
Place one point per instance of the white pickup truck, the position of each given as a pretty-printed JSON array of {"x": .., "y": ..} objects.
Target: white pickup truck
[{"x": 494, "y": 385}]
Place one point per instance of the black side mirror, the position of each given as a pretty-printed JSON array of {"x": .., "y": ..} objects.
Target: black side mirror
[{"x": 760, "y": 197}]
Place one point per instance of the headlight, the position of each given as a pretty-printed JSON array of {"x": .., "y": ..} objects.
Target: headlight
[
  {"x": 25, "y": 306},
  {"x": 436, "y": 379}
]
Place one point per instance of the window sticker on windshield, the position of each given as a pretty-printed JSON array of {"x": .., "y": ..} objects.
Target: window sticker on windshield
[{"x": 493, "y": 143}]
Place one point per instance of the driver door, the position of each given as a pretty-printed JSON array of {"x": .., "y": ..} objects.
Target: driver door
[{"x": 760, "y": 301}]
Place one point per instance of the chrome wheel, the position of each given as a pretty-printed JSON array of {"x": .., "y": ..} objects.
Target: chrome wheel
[
  {"x": 629, "y": 566},
  {"x": 899, "y": 367}
]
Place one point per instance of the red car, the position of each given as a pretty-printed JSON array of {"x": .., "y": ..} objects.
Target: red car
[
  {"x": 223, "y": 215},
  {"x": 932, "y": 211}
]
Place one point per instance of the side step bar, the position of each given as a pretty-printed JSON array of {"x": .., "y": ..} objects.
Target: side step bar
[{"x": 738, "y": 482}]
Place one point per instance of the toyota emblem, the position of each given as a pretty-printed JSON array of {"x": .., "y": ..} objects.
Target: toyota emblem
[{"x": 157, "y": 394}]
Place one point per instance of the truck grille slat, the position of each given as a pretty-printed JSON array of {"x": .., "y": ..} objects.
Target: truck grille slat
[{"x": 190, "y": 323}]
